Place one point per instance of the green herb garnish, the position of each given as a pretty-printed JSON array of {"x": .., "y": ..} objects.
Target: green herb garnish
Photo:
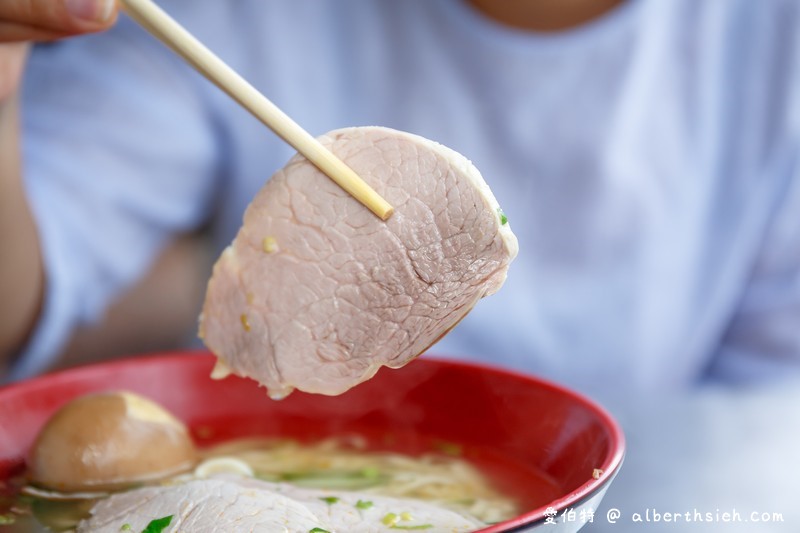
[
  {"x": 371, "y": 473},
  {"x": 158, "y": 525},
  {"x": 332, "y": 480},
  {"x": 363, "y": 504},
  {"x": 503, "y": 217},
  {"x": 390, "y": 519},
  {"x": 410, "y": 528},
  {"x": 7, "y": 519},
  {"x": 330, "y": 500},
  {"x": 318, "y": 530},
  {"x": 125, "y": 527}
]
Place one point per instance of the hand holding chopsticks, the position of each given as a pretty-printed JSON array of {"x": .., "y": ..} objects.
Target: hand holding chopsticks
[{"x": 164, "y": 28}]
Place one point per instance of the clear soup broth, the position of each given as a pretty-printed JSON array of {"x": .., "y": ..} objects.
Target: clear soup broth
[{"x": 469, "y": 479}]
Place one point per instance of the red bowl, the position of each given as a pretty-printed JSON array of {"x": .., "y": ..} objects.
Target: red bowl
[{"x": 551, "y": 448}]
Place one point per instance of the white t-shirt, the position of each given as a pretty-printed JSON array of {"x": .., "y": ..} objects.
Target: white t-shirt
[{"x": 647, "y": 161}]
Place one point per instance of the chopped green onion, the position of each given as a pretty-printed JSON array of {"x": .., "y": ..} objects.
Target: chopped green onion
[
  {"x": 363, "y": 504},
  {"x": 332, "y": 480},
  {"x": 371, "y": 472},
  {"x": 125, "y": 527},
  {"x": 503, "y": 217},
  {"x": 330, "y": 500},
  {"x": 390, "y": 519},
  {"x": 410, "y": 528},
  {"x": 406, "y": 516},
  {"x": 158, "y": 525},
  {"x": 318, "y": 530}
]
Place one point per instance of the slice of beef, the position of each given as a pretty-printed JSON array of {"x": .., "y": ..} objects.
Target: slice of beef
[
  {"x": 232, "y": 504},
  {"x": 317, "y": 293}
]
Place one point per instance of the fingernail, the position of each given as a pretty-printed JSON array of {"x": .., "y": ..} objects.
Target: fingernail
[{"x": 91, "y": 10}]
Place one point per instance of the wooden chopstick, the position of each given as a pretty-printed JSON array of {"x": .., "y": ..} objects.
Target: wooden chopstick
[{"x": 167, "y": 30}]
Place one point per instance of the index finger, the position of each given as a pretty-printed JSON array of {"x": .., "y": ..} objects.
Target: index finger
[{"x": 53, "y": 17}]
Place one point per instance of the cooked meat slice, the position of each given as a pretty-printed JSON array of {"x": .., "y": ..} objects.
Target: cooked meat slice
[
  {"x": 235, "y": 505},
  {"x": 317, "y": 293},
  {"x": 200, "y": 506}
]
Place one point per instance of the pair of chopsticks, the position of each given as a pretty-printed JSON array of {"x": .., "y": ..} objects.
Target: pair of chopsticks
[{"x": 164, "y": 28}]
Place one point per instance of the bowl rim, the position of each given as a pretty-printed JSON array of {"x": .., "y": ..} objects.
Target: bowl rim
[{"x": 610, "y": 466}]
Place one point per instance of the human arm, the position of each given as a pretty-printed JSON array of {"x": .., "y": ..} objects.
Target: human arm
[
  {"x": 119, "y": 155},
  {"x": 21, "y": 271}
]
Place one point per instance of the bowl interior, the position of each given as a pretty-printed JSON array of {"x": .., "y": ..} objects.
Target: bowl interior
[{"x": 536, "y": 440}]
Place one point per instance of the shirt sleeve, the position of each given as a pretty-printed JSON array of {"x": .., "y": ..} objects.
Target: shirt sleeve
[
  {"x": 119, "y": 154},
  {"x": 762, "y": 341}
]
